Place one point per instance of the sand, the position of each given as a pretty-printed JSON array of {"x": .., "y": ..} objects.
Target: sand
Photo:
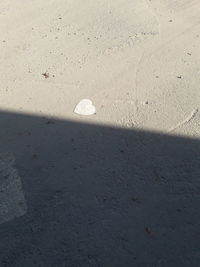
[
  {"x": 120, "y": 55},
  {"x": 138, "y": 61}
]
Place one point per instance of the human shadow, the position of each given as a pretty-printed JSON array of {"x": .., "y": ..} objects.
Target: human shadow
[{"x": 101, "y": 196}]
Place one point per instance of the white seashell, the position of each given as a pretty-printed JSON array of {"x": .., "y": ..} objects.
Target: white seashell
[{"x": 85, "y": 107}]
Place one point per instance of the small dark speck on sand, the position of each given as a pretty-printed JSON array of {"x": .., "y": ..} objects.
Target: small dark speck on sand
[
  {"x": 136, "y": 200},
  {"x": 147, "y": 230},
  {"x": 35, "y": 156},
  {"x": 46, "y": 75},
  {"x": 178, "y": 210},
  {"x": 50, "y": 122}
]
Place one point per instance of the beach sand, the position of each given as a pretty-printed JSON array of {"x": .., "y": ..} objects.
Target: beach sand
[{"x": 117, "y": 188}]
